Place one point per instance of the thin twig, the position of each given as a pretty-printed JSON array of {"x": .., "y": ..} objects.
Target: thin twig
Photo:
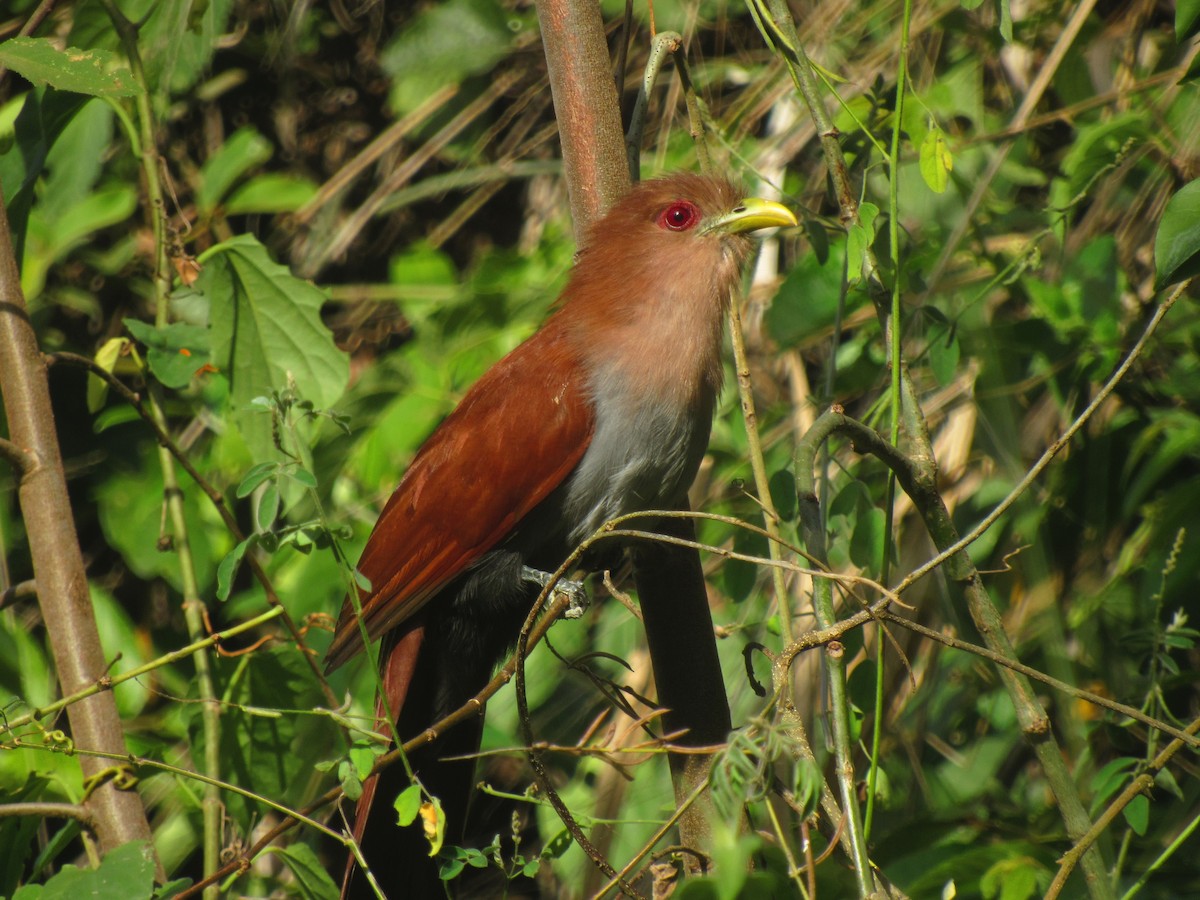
[
  {"x": 19, "y": 459},
  {"x": 215, "y": 497},
  {"x": 1048, "y": 455}
]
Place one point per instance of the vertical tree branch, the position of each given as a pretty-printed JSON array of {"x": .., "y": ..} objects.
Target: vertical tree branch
[
  {"x": 66, "y": 603},
  {"x": 670, "y": 580},
  {"x": 585, "y": 104}
]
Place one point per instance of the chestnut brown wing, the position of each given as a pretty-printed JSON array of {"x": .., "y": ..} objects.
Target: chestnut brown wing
[{"x": 514, "y": 438}]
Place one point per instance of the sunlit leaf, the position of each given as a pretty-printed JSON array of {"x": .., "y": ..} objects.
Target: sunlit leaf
[
  {"x": 97, "y": 73},
  {"x": 1177, "y": 243},
  {"x": 936, "y": 160},
  {"x": 267, "y": 329},
  {"x": 106, "y": 358}
]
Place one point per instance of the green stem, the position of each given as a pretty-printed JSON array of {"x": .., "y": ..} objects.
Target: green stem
[
  {"x": 759, "y": 469},
  {"x": 108, "y": 683},
  {"x": 192, "y": 604},
  {"x": 193, "y": 612},
  {"x": 894, "y": 354}
]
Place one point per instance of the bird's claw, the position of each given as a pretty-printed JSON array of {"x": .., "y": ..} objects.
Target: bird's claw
[
  {"x": 575, "y": 592},
  {"x": 577, "y": 596}
]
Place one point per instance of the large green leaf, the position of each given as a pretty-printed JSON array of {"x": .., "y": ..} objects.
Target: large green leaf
[
  {"x": 176, "y": 38},
  {"x": 48, "y": 241},
  {"x": 267, "y": 329},
  {"x": 44, "y": 116},
  {"x": 125, "y": 873},
  {"x": 1187, "y": 18},
  {"x": 244, "y": 150},
  {"x": 446, "y": 43},
  {"x": 96, "y": 73},
  {"x": 1177, "y": 244}
]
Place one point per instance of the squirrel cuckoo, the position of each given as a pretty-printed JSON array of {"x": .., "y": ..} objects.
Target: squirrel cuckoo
[{"x": 604, "y": 411}]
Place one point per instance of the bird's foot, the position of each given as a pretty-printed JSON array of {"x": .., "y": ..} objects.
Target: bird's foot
[{"x": 575, "y": 592}]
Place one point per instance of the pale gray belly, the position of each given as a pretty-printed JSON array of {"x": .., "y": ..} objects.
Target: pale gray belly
[{"x": 639, "y": 462}]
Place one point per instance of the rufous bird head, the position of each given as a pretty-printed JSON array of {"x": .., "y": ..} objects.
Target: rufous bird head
[{"x": 653, "y": 280}]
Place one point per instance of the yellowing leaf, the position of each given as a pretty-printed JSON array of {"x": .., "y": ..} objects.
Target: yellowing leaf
[
  {"x": 106, "y": 358},
  {"x": 936, "y": 161},
  {"x": 433, "y": 820}
]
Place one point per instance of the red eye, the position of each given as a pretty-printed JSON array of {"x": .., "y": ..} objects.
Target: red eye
[{"x": 679, "y": 216}]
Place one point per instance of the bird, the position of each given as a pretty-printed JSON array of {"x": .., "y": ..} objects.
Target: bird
[{"x": 605, "y": 410}]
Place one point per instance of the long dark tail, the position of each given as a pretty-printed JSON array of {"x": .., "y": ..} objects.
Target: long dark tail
[{"x": 399, "y": 857}]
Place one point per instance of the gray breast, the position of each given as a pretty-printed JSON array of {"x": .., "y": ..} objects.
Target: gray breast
[{"x": 644, "y": 457}]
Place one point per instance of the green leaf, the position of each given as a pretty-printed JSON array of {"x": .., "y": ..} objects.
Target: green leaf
[
  {"x": 303, "y": 477},
  {"x": 818, "y": 240},
  {"x": 859, "y": 240},
  {"x": 244, "y": 150},
  {"x": 1109, "y": 780},
  {"x": 782, "y": 486},
  {"x": 44, "y": 116},
  {"x": 312, "y": 880},
  {"x": 1187, "y": 17},
  {"x": 126, "y": 643},
  {"x": 172, "y": 888},
  {"x": 1164, "y": 779},
  {"x": 1177, "y": 244},
  {"x": 49, "y": 240},
  {"x": 446, "y": 43},
  {"x": 130, "y": 506},
  {"x": 268, "y": 507},
  {"x": 19, "y": 834},
  {"x": 558, "y": 845},
  {"x": 808, "y": 299},
  {"x": 256, "y": 476},
  {"x": 274, "y": 754},
  {"x": 1098, "y": 145},
  {"x": 125, "y": 873},
  {"x": 363, "y": 757},
  {"x": 1006, "y": 22},
  {"x": 866, "y": 541},
  {"x": 229, "y": 565},
  {"x": 175, "y": 353},
  {"x": 76, "y": 162},
  {"x": 1011, "y": 879},
  {"x": 271, "y": 192},
  {"x": 407, "y": 805},
  {"x": 267, "y": 329},
  {"x": 106, "y": 358},
  {"x": 97, "y": 73},
  {"x": 936, "y": 160},
  {"x": 944, "y": 354},
  {"x": 1137, "y": 813}
]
